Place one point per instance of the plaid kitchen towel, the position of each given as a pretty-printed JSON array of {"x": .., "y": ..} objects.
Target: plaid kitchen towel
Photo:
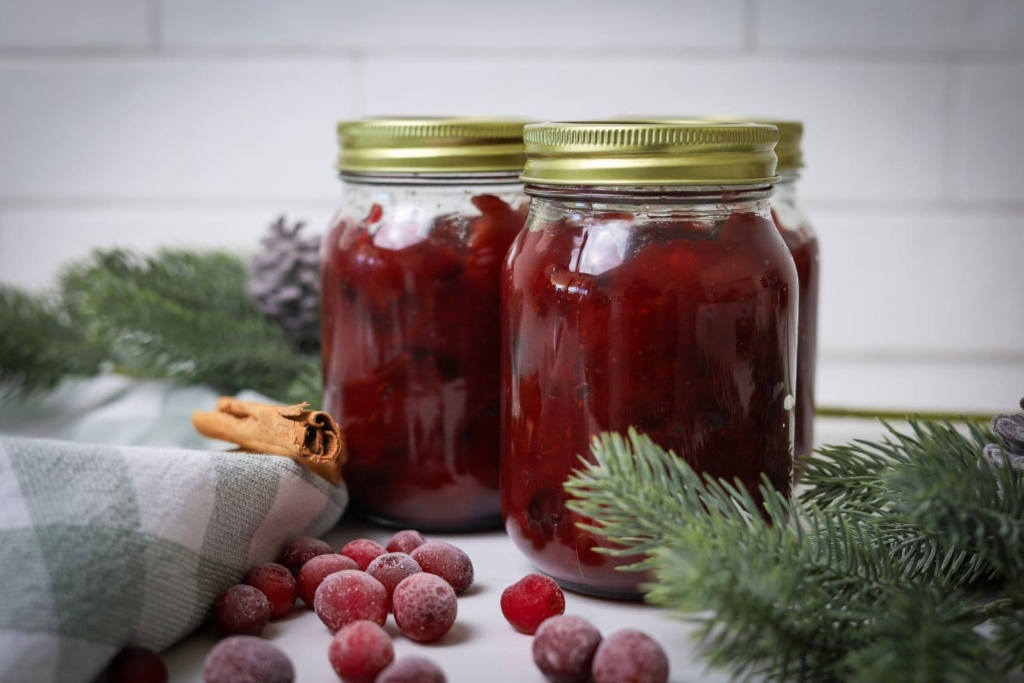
[{"x": 103, "y": 546}]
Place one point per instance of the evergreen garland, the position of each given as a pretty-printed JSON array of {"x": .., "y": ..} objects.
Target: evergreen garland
[
  {"x": 175, "y": 314},
  {"x": 882, "y": 568}
]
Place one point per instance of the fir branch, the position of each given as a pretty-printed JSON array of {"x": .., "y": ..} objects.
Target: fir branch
[
  {"x": 176, "y": 314},
  {"x": 854, "y": 580},
  {"x": 40, "y": 344}
]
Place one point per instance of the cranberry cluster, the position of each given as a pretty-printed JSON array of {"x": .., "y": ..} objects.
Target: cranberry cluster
[{"x": 352, "y": 592}]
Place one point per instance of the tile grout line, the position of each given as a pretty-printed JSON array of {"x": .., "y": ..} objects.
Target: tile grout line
[{"x": 156, "y": 46}]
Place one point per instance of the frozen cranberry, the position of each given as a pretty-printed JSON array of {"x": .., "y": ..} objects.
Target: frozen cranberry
[
  {"x": 244, "y": 659},
  {"x": 405, "y": 541},
  {"x": 350, "y": 595},
  {"x": 425, "y": 607},
  {"x": 630, "y": 656},
  {"x": 363, "y": 551},
  {"x": 412, "y": 669},
  {"x": 278, "y": 584},
  {"x": 391, "y": 568},
  {"x": 133, "y": 664},
  {"x": 359, "y": 651},
  {"x": 241, "y": 611},
  {"x": 319, "y": 568},
  {"x": 447, "y": 561},
  {"x": 531, "y": 600},
  {"x": 300, "y": 551},
  {"x": 564, "y": 647}
]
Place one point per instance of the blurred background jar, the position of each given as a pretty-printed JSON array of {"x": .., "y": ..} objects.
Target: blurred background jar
[
  {"x": 411, "y": 338},
  {"x": 651, "y": 289},
  {"x": 802, "y": 240}
]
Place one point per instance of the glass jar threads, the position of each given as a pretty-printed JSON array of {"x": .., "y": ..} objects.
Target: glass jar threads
[
  {"x": 650, "y": 289},
  {"x": 410, "y": 277}
]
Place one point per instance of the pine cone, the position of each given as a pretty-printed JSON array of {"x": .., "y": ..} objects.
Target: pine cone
[
  {"x": 1010, "y": 430},
  {"x": 284, "y": 282}
]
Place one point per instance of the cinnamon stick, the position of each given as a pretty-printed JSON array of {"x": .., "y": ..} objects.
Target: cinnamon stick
[{"x": 310, "y": 437}]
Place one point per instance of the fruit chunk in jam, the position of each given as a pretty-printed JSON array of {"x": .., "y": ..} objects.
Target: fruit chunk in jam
[
  {"x": 685, "y": 330},
  {"x": 411, "y": 350}
]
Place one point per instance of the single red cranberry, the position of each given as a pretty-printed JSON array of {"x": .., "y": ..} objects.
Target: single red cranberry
[
  {"x": 412, "y": 669},
  {"x": 391, "y": 568},
  {"x": 363, "y": 551},
  {"x": 405, "y": 541},
  {"x": 300, "y": 551},
  {"x": 425, "y": 607},
  {"x": 319, "y": 568},
  {"x": 359, "y": 651},
  {"x": 135, "y": 665},
  {"x": 446, "y": 561},
  {"x": 531, "y": 600},
  {"x": 350, "y": 595},
  {"x": 278, "y": 584},
  {"x": 564, "y": 648},
  {"x": 630, "y": 656},
  {"x": 243, "y": 659},
  {"x": 241, "y": 611}
]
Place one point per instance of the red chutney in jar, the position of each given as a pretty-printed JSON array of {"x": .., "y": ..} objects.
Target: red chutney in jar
[
  {"x": 411, "y": 338},
  {"x": 674, "y": 315}
]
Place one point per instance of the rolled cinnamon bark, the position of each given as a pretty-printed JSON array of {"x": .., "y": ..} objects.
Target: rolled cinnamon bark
[{"x": 310, "y": 437}]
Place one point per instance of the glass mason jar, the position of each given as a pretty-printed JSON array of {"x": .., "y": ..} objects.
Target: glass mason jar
[
  {"x": 411, "y": 336},
  {"x": 650, "y": 290},
  {"x": 803, "y": 243}
]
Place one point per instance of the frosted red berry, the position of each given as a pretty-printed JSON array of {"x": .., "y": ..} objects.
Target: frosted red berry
[
  {"x": 244, "y": 659},
  {"x": 350, "y": 595},
  {"x": 531, "y": 600},
  {"x": 359, "y": 651},
  {"x": 363, "y": 551},
  {"x": 241, "y": 611},
  {"x": 564, "y": 648},
  {"x": 425, "y": 607},
  {"x": 300, "y": 551},
  {"x": 405, "y": 541},
  {"x": 446, "y": 561},
  {"x": 391, "y": 568},
  {"x": 630, "y": 656},
  {"x": 133, "y": 664},
  {"x": 319, "y": 568},
  {"x": 278, "y": 584},
  {"x": 412, "y": 669}
]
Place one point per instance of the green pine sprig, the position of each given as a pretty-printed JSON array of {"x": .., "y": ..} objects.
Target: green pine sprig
[
  {"x": 881, "y": 568},
  {"x": 176, "y": 314}
]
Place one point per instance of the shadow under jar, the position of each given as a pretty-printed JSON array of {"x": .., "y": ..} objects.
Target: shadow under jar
[
  {"x": 411, "y": 336},
  {"x": 650, "y": 290}
]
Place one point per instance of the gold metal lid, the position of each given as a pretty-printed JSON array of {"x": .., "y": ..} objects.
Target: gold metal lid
[
  {"x": 791, "y": 133},
  {"x": 650, "y": 153},
  {"x": 431, "y": 145}
]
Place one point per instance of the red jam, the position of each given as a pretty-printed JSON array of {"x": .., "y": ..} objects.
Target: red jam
[
  {"x": 803, "y": 244},
  {"x": 684, "y": 330},
  {"x": 410, "y": 352}
]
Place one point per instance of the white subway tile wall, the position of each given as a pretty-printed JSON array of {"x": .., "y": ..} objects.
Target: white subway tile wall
[{"x": 152, "y": 122}]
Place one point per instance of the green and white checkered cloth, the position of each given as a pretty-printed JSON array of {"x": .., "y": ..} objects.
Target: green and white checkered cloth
[{"x": 103, "y": 546}]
